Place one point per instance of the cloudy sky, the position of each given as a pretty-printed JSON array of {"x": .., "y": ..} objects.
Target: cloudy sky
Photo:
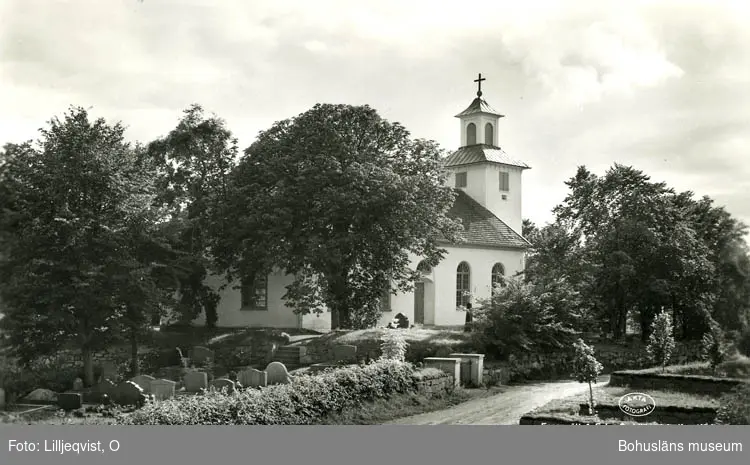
[{"x": 662, "y": 86}]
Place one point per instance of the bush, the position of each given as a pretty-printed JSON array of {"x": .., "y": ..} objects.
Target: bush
[
  {"x": 48, "y": 373},
  {"x": 523, "y": 318},
  {"x": 734, "y": 407},
  {"x": 661, "y": 341},
  {"x": 306, "y": 400},
  {"x": 394, "y": 346}
]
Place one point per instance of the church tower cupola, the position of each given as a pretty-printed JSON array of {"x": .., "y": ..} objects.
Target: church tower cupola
[{"x": 479, "y": 121}]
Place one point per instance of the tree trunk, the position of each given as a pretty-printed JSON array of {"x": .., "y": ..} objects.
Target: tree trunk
[
  {"x": 88, "y": 365},
  {"x": 591, "y": 399},
  {"x": 134, "y": 351},
  {"x": 334, "y": 318}
]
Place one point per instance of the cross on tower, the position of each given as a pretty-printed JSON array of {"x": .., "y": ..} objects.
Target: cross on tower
[{"x": 479, "y": 82}]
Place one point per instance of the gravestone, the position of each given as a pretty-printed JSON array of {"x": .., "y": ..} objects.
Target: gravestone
[
  {"x": 144, "y": 381},
  {"x": 163, "y": 389},
  {"x": 195, "y": 381},
  {"x": 70, "y": 400},
  {"x": 252, "y": 378},
  {"x": 78, "y": 384},
  {"x": 200, "y": 355},
  {"x": 277, "y": 373},
  {"x": 345, "y": 354},
  {"x": 223, "y": 384}
]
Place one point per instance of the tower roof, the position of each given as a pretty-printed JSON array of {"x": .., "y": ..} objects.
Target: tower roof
[
  {"x": 479, "y": 105},
  {"x": 482, "y": 153}
]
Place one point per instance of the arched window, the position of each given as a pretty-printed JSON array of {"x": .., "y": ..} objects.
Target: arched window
[
  {"x": 463, "y": 282},
  {"x": 471, "y": 134},
  {"x": 489, "y": 134},
  {"x": 498, "y": 273}
]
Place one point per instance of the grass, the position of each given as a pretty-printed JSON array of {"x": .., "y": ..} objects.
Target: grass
[
  {"x": 736, "y": 366},
  {"x": 404, "y": 405},
  {"x": 437, "y": 336},
  {"x": 568, "y": 408}
]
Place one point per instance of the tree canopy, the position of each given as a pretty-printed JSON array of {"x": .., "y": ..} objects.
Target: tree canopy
[
  {"x": 76, "y": 220},
  {"x": 339, "y": 198},
  {"x": 633, "y": 247}
]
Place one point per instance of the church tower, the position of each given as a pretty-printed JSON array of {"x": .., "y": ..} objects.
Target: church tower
[{"x": 481, "y": 168}]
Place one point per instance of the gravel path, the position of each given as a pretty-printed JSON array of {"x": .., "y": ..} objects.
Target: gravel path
[{"x": 505, "y": 408}]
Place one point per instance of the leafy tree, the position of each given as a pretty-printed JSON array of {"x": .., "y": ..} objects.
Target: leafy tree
[
  {"x": 712, "y": 348},
  {"x": 339, "y": 198},
  {"x": 641, "y": 247},
  {"x": 586, "y": 368},
  {"x": 194, "y": 162},
  {"x": 75, "y": 206},
  {"x": 661, "y": 341},
  {"x": 527, "y": 318}
]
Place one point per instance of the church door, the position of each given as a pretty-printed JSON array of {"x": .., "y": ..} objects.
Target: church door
[{"x": 419, "y": 303}]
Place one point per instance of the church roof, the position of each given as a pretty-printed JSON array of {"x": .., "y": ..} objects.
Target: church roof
[
  {"x": 482, "y": 227},
  {"x": 481, "y": 153},
  {"x": 479, "y": 105}
]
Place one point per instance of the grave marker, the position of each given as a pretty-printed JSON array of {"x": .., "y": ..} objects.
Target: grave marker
[
  {"x": 163, "y": 389},
  {"x": 144, "y": 381},
  {"x": 195, "y": 381},
  {"x": 252, "y": 378},
  {"x": 277, "y": 373}
]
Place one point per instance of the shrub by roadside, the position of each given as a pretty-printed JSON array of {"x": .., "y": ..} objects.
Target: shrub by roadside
[
  {"x": 305, "y": 401},
  {"x": 735, "y": 407}
]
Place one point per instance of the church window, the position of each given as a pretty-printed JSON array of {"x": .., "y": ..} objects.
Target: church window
[
  {"x": 255, "y": 294},
  {"x": 504, "y": 181},
  {"x": 471, "y": 134},
  {"x": 463, "y": 281},
  {"x": 489, "y": 134},
  {"x": 498, "y": 273},
  {"x": 461, "y": 179}
]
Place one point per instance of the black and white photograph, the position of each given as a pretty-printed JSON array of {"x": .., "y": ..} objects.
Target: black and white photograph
[{"x": 330, "y": 212}]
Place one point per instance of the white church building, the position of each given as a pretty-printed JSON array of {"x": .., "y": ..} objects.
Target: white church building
[{"x": 488, "y": 202}]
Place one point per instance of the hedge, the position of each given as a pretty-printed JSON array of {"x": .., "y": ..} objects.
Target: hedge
[{"x": 306, "y": 400}]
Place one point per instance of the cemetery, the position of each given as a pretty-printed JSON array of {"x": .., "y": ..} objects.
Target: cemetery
[{"x": 203, "y": 377}]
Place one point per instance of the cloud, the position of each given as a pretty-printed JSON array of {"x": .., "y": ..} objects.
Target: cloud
[{"x": 662, "y": 86}]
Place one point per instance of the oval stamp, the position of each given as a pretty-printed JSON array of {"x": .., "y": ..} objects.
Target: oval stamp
[{"x": 637, "y": 404}]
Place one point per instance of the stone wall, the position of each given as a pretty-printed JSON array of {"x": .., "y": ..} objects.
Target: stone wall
[
  {"x": 437, "y": 385},
  {"x": 667, "y": 381}
]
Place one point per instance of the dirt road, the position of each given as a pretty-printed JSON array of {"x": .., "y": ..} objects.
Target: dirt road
[{"x": 505, "y": 408}]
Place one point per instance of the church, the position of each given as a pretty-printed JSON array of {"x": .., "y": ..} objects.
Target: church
[{"x": 488, "y": 202}]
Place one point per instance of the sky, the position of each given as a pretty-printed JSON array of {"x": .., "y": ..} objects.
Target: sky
[{"x": 663, "y": 86}]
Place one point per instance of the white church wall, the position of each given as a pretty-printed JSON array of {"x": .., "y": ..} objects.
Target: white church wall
[
  {"x": 440, "y": 288},
  {"x": 231, "y": 314},
  {"x": 480, "y": 263},
  {"x": 508, "y": 209},
  {"x": 476, "y": 183}
]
